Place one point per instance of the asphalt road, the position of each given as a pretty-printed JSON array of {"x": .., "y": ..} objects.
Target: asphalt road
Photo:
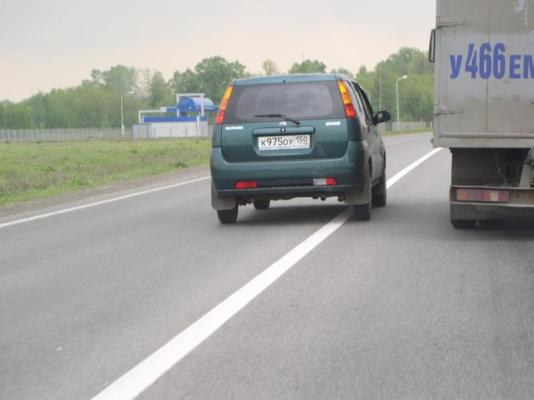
[{"x": 402, "y": 307}]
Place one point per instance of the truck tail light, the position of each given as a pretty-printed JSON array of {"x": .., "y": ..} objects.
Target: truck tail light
[
  {"x": 224, "y": 105},
  {"x": 350, "y": 111},
  {"x": 246, "y": 185},
  {"x": 483, "y": 196}
]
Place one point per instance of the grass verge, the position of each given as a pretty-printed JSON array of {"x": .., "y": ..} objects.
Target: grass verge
[{"x": 31, "y": 171}]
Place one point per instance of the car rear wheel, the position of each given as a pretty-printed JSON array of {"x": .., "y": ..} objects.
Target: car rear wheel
[
  {"x": 262, "y": 204},
  {"x": 380, "y": 191},
  {"x": 228, "y": 216},
  {"x": 362, "y": 212}
]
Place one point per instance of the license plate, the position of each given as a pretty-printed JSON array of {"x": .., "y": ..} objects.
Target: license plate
[{"x": 286, "y": 142}]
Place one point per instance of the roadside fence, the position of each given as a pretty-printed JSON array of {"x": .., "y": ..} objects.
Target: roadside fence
[
  {"x": 61, "y": 135},
  {"x": 142, "y": 132},
  {"x": 172, "y": 130}
]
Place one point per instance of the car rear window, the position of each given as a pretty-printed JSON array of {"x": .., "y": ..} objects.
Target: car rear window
[{"x": 310, "y": 100}]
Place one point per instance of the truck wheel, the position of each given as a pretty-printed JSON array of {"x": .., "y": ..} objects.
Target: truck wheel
[
  {"x": 228, "y": 216},
  {"x": 262, "y": 204},
  {"x": 463, "y": 223},
  {"x": 380, "y": 191}
]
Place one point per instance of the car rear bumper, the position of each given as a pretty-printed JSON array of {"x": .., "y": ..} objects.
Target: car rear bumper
[
  {"x": 279, "y": 193},
  {"x": 294, "y": 178}
]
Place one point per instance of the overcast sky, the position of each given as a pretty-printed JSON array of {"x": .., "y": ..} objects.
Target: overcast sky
[{"x": 47, "y": 44}]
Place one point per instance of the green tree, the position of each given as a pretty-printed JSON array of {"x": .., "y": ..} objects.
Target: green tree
[
  {"x": 416, "y": 92},
  {"x": 308, "y": 66},
  {"x": 215, "y": 74},
  {"x": 94, "y": 107},
  {"x": 365, "y": 77},
  {"x": 416, "y": 100},
  {"x": 144, "y": 78},
  {"x": 160, "y": 93},
  {"x": 270, "y": 67},
  {"x": 210, "y": 76},
  {"x": 3, "y": 105},
  {"x": 118, "y": 78},
  {"x": 96, "y": 101},
  {"x": 341, "y": 71},
  {"x": 57, "y": 109},
  {"x": 185, "y": 82},
  {"x": 18, "y": 116},
  {"x": 97, "y": 79}
]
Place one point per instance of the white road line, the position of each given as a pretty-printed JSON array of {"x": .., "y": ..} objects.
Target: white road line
[
  {"x": 144, "y": 374},
  {"x": 99, "y": 203},
  {"x": 408, "y": 169}
]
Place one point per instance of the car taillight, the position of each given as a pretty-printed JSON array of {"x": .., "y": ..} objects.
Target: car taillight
[
  {"x": 224, "y": 105},
  {"x": 246, "y": 185},
  {"x": 350, "y": 111},
  {"x": 485, "y": 196}
]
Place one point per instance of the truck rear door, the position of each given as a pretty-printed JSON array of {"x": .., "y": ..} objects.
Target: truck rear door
[{"x": 485, "y": 73}]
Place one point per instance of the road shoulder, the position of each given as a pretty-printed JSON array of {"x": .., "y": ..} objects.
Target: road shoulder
[{"x": 25, "y": 209}]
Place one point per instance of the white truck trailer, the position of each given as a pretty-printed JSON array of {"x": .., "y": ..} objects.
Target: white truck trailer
[{"x": 484, "y": 106}]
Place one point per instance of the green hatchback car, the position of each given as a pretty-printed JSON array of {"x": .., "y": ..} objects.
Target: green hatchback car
[{"x": 307, "y": 135}]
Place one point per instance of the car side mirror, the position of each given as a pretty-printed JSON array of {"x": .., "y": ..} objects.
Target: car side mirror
[{"x": 381, "y": 116}]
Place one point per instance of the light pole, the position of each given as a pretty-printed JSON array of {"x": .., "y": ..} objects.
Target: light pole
[
  {"x": 397, "y": 90},
  {"x": 380, "y": 89},
  {"x": 122, "y": 111}
]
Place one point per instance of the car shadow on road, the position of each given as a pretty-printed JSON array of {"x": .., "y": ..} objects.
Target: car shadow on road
[
  {"x": 425, "y": 219},
  {"x": 290, "y": 214}
]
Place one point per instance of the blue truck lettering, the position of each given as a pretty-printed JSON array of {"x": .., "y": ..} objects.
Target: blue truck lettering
[{"x": 491, "y": 61}]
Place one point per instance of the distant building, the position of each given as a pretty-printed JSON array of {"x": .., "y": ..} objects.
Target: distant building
[{"x": 187, "y": 119}]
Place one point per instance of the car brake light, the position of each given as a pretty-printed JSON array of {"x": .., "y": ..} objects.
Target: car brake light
[
  {"x": 246, "y": 185},
  {"x": 224, "y": 105},
  {"x": 486, "y": 196},
  {"x": 350, "y": 111},
  {"x": 325, "y": 182},
  {"x": 331, "y": 182}
]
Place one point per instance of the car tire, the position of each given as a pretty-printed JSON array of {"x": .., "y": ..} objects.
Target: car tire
[
  {"x": 228, "y": 216},
  {"x": 380, "y": 191},
  {"x": 362, "y": 212},
  {"x": 262, "y": 204},
  {"x": 463, "y": 223}
]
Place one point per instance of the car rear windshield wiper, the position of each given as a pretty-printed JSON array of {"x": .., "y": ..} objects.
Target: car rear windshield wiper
[{"x": 282, "y": 116}]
